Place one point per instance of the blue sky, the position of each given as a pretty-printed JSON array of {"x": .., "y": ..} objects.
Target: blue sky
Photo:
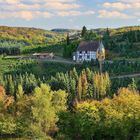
[{"x": 50, "y": 14}]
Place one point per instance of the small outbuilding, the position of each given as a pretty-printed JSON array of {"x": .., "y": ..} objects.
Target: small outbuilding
[{"x": 43, "y": 55}]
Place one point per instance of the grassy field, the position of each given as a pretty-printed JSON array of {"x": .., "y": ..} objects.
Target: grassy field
[{"x": 39, "y": 68}]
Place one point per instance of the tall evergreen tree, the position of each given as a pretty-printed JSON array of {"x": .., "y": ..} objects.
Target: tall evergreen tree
[
  {"x": 84, "y": 84},
  {"x": 20, "y": 92},
  {"x": 79, "y": 89},
  {"x": 101, "y": 84},
  {"x": 68, "y": 39},
  {"x": 106, "y": 38},
  {"x": 133, "y": 85},
  {"x": 84, "y": 31}
]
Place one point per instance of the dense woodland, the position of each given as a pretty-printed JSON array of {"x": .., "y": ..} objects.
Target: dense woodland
[
  {"x": 85, "y": 110},
  {"x": 39, "y": 106},
  {"x": 56, "y": 101}
]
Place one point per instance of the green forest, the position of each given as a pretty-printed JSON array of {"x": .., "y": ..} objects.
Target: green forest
[{"x": 47, "y": 100}]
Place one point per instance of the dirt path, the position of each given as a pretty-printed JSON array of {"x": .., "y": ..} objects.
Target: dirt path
[{"x": 126, "y": 76}]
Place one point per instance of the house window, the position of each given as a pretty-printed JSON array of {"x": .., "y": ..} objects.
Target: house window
[
  {"x": 88, "y": 57},
  {"x": 80, "y": 57},
  {"x": 80, "y": 52},
  {"x": 86, "y": 52}
]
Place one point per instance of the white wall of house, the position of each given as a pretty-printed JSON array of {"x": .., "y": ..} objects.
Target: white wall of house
[
  {"x": 84, "y": 55},
  {"x": 74, "y": 58}
]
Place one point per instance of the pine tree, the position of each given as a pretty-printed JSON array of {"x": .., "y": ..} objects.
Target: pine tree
[
  {"x": 73, "y": 88},
  {"x": 84, "y": 84},
  {"x": 89, "y": 75},
  {"x": 20, "y": 92},
  {"x": 74, "y": 74},
  {"x": 79, "y": 89},
  {"x": 101, "y": 84},
  {"x": 106, "y": 38},
  {"x": 68, "y": 39},
  {"x": 10, "y": 85},
  {"x": 84, "y": 31},
  {"x": 133, "y": 85}
]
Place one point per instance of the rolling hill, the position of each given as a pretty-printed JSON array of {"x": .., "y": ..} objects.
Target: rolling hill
[
  {"x": 28, "y": 38},
  {"x": 124, "y": 41},
  {"x": 29, "y": 35}
]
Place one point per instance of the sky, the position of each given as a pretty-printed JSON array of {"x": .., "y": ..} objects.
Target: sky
[{"x": 72, "y": 14}]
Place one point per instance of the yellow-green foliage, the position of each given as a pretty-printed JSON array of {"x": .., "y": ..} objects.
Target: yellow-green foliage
[
  {"x": 124, "y": 29},
  {"x": 46, "y": 105},
  {"x": 29, "y": 40},
  {"x": 117, "y": 118},
  {"x": 101, "y": 84},
  {"x": 30, "y": 35},
  {"x": 33, "y": 116}
]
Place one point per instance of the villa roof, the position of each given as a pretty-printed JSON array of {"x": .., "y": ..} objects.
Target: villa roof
[{"x": 88, "y": 46}]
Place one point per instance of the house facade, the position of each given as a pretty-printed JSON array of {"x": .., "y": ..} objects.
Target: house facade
[{"x": 86, "y": 51}]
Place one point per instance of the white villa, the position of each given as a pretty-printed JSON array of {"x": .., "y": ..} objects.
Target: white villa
[{"x": 86, "y": 51}]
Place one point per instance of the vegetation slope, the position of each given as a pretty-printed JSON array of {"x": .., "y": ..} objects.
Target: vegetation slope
[{"x": 28, "y": 38}]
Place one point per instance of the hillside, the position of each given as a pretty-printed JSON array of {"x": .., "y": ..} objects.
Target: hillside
[
  {"x": 27, "y": 38},
  {"x": 30, "y": 35},
  {"x": 119, "y": 30},
  {"x": 61, "y": 30},
  {"x": 121, "y": 42},
  {"x": 39, "y": 98}
]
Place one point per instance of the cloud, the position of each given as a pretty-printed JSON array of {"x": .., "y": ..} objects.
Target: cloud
[
  {"x": 123, "y": 4},
  {"x": 137, "y": 13},
  {"x": 75, "y": 13},
  {"x": 131, "y": 1},
  {"x": 11, "y": 1},
  {"x": 113, "y": 14},
  {"x": 61, "y": 6},
  {"x": 117, "y": 5},
  {"x": 27, "y": 15},
  {"x": 28, "y": 10},
  {"x": 31, "y": 9},
  {"x": 119, "y": 8}
]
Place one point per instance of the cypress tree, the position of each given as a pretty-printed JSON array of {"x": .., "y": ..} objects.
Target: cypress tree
[
  {"x": 79, "y": 88},
  {"x": 133, "y": 85},
  {"x": 84, "y": 31},
  {"x": 84, "y": 84},
  {"x": 68, "y": 39},
  {"x": 20, "y": 92}
]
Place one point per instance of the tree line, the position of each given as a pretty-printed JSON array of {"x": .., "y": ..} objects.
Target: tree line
[
  {"x": 80, "y": 85},
  {"x": 10, "y": 51},
  {"x": 45, "y": 113}
]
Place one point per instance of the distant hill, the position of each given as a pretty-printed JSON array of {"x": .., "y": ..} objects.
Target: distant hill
[
  {"x": 61, "y": 30},
  {"x": 28, "y": 36},
  {"x": 114, "y": 31},
  {"x": 31, "y": 40},
  {"x": 28, "y": 40}
]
